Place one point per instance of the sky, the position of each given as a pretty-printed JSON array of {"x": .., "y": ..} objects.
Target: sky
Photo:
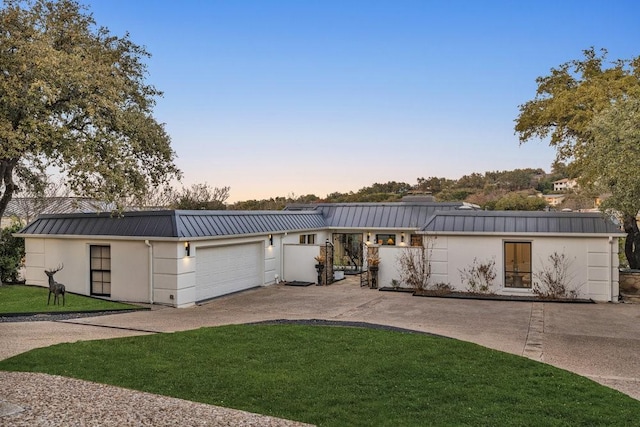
[{"x": 295, "y": 97}]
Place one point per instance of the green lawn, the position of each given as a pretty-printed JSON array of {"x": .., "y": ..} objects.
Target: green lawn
[
  {"x": 33, "y": 299},
  {"x": 333, "y": 376}
]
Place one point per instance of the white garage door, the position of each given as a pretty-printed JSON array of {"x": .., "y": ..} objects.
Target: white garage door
[{"x": 225, "y": 269}]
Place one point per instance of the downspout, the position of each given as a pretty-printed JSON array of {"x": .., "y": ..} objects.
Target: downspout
[
  {"x": 146, "y": 242},
  {"x": 281, "y": 255},
  {"x": 615, "y": 291}
]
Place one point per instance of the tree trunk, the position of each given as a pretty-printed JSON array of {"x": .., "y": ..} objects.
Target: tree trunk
[
  {"x": 632, "y": 242},
  {"x": 6, "y": 180}
]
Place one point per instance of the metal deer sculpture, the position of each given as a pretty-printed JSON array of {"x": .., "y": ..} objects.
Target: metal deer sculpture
[{"x": 55, "y": 288}]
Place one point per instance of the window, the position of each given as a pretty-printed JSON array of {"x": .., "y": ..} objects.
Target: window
[
  {"x": 386, "y": 239},
  {"x": 100, "y": 270},
  {"x": 307, "y": 239},
  {"x": 416, "y": 240},
  {"x": 517, "y": 264}
]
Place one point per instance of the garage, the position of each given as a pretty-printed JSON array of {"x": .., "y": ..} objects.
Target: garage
[{"x": 223, "y": 270}]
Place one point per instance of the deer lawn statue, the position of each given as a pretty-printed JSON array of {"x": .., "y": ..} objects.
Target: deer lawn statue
[{"x": 55, "y": 288}]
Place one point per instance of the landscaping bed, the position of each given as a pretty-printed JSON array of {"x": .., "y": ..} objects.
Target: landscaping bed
[{"x": 491, "y": 297}]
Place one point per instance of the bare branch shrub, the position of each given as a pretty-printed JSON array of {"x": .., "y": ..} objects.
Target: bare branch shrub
[
  {"x": 554, "y": 279},
  {"x": 479, "y": 276},
  {"x": 415, "y": 266}
]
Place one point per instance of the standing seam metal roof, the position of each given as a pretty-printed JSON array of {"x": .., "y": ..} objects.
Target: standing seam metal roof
[
  {"x": 520, "y": 222},
  {"x": 381, "y": 215},
  {"x": 177, "y": 224},
  {"x": 428, "y": 217}
]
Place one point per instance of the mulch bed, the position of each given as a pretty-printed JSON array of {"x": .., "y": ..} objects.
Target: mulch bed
[{"x": 488, "y": 297}]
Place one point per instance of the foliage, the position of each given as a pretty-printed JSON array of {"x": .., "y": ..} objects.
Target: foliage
[
  {"x": 33, "y": 299},
  {"x": 415, "y": 266},
  {"x": 320, "y": 259},
  {"x": 330, "y": 376},
  {"x": 569, "y": 98},
  {"x": 611, "y": 164},
  {"x": 554, "y": 279},
  {"x": 11, "y": 254},
  {"x": 480, "y": 276},
  {"x": 277, "y": 203},
  {"x": 373, "y": 261},
  {"x": 583, "y": 199},
  {"x": 590, "y": 113},
  {"x": 520, "y": 202},
  {"x": 74, "y": 97},
  {"x": 201, "y": 196}
]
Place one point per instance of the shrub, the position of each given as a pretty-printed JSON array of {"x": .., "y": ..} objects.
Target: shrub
[
  {"x": 479, "y": 276},
  {"x": 553, "y": 280},
  {"x": 415, "y": 267},
  {"x": 11, "y": 253}
]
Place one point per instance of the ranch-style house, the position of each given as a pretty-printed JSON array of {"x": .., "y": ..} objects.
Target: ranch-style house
[{"x": 181, "y": 258}]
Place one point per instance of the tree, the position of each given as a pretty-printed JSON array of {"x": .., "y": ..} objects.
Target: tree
[
  {"x": 74, "y": 97},
  {"x": 567, "y": 101},
  {"x": 611, "y": 164},
  {"x": 201, "y": 196},
  {"x": 576, "y": 107},
  {"x": 519, "y": 202}
]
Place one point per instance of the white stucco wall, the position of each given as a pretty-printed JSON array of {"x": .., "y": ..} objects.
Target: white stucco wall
[
  {"x": 593, "y": 269},
  {"x": 129, "y": 259},
  {"x": 299, "y": 262}
]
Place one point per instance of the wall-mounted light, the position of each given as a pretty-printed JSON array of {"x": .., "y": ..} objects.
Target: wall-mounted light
[
  {"x": 270, "y": 239},
  {"x": 368, "y": 237},
  {"x": 402, "y": 238},
  {"x": 187, "y": 248}
]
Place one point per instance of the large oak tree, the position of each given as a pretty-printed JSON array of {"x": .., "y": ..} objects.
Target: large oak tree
[
  {"x": 580, "y": 107},
  {"x": 74, "y": 97}
]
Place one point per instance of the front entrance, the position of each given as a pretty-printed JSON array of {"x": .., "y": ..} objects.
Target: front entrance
[{"x": 347, "y": 254}]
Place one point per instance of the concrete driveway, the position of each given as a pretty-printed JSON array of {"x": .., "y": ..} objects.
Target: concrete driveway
[{"x": 599, "y": 341}]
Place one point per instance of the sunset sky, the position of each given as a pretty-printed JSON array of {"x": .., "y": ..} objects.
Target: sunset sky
[{"x": 274, "y": 98}]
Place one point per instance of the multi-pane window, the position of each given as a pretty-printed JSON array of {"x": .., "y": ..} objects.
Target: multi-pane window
[
  {"x": 386, "y": 239},
  {"x": 307, "y": 239},
  {"x": 517, "y": 264},
  {"x": 416, "y": 240},
  {"x": 100, "y": 270}
]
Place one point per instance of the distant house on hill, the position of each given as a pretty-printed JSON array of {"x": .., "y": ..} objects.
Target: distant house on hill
[
  {"x": 554, "y": 199},
  {"x": 565, "y": 184}
]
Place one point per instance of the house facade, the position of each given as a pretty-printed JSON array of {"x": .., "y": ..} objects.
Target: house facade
[
  {"x": 181, "y": 258},
  {"x": 565, "y": 184}
]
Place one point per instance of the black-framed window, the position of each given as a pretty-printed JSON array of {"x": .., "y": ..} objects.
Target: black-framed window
[
  {"x": 517, "y": 264},
  {"x": 416, "y": 240},
  {"x": 307, "y": 239},
  {"x": 100, "y": 270},
  {"x": 386, "y": 239}
]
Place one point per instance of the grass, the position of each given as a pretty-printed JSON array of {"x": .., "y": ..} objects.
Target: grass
[
  {"x": 16, "y": 299},
  {"x": 333, "y": 376}
]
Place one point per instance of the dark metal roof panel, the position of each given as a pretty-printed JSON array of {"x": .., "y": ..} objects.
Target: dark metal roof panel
[
  {"x": 381, "y": 215},
  {"x": 520, "y": 222},
  {"x": 229, "y": 223},
  {"x": 183, "y": 224},
  {"x": 139, "y": 224}
]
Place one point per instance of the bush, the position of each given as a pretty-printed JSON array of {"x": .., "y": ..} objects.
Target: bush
[
  {"x": 415, "y": 267},
  {"x": 479, "y": 276},
  {"x": 554, "y": 281},
  {"x": 11, "y": 253}
]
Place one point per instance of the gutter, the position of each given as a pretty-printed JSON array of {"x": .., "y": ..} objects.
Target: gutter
[{"x": 150, "y": 246}]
